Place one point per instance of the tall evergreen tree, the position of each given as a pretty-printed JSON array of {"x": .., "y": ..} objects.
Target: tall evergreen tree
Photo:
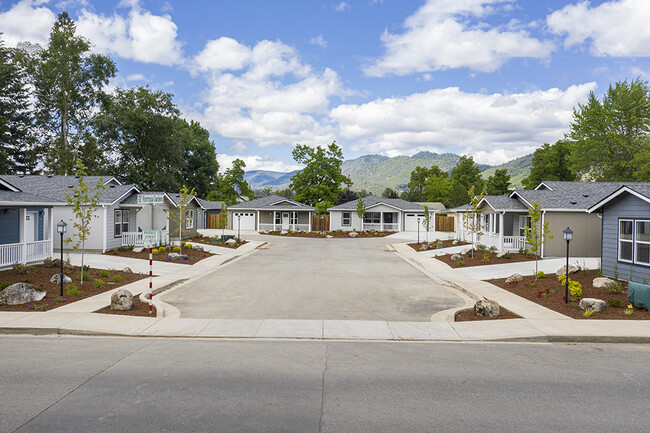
[{"x": 550, "y": 162}]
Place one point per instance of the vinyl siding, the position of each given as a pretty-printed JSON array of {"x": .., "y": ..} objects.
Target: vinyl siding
[
  {"x": 335, "y": 221},
  {"x": 623, "y": 207},
  {"x": 173, "y": 223},
  {"x": 65, "y": 213},
  {"x": 586, "y": 234}
]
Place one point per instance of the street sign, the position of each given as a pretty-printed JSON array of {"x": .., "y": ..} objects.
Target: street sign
[
  {"x": 150, "y": 199},
  {"x": 149, "y": 237}
]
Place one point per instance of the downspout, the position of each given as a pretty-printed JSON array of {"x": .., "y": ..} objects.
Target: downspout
[
  {"x": 541, "y": 230},
  {"x": 104, "y": 229}
]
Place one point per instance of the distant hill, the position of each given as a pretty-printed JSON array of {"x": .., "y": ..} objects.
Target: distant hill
[{"x": 377, "y": 172}]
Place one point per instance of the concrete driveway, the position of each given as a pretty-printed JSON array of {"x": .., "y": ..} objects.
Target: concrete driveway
[{"x": 297, "y": 278}]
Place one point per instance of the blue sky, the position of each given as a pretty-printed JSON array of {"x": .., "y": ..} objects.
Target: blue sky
[{"x": 494, "y": 79}]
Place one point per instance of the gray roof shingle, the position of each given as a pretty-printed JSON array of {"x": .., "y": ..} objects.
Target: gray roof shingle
[
  {"x": 372, "y": 200},
  {"x": 271, "y": 202}
]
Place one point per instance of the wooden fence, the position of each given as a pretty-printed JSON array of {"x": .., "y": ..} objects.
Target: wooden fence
[
  {"x": 445, "y": 224},
  {"x": 213, "y": 221},
  {"x": 320, "y": 223}
]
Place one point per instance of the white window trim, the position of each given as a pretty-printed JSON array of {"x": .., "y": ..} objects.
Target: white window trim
[
  {"x": 121, "y": 223},
  {"x": 637, "y": 242},
  {"x": 344, "y": 218},
  {"x": 631, "y": 241},
  {"x": 189, "y": 220}
]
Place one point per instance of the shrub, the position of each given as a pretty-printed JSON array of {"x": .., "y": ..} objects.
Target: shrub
[
  {"x": 4, "y": 285},
  {"x": 507, "y": 256},
  {"x": 72, "y": 290},
  {"x": 19, "y": 268},
  {"x": 48, "y": 262},
  {"x": 460, "y": 263},
  {"x": 486, "y": 257},
  {"x": 177, "y": 249},
  {"x": 588, "y": 312},
  {"x": 183, "y": 243},
  {"x": 85, "y": 276},
  {"x": 103, "y": 273},
  {"x": 614, "y": 288},
  {"x": 161, "y": 249},
  {"x": 124, "y": 248},
  {"x": 117, "y": 278},
  {"x": 629, "y": 310},
  {"x": 541, "y": 274},
  {"x": 614, "y": 303},
  {"x": 99, "y": 283},
  {"x": 493, "y": 249},
  {"x": 86, "y": 269},
  {"x": 575, "y": 289},
  {"x": 155, "y": 251}
]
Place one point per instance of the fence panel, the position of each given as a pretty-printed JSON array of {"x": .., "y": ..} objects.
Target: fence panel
[
  {"x": 213, "y": 221},
  {"x": 320, "y": 223},
  {"x": 445, "y": 224}
]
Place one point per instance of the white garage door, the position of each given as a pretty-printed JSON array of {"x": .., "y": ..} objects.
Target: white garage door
[
  {"x": 247, "y": 220},
  {"x": 411, "y": 222}
]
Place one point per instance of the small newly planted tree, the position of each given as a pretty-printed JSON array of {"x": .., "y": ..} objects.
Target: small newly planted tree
[
  {"x": 426, "y": 222},
  {"x": 84, "y": 200},
  {"x": 361, "y": 210},
  {"x": 473, "y": 217},
  {"x": 222, "y": 221},
  {"x": 186, "y": 197},
  {"x": 537, "y": 234}
]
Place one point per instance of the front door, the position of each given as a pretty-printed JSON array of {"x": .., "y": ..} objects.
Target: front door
[
  {"x": 30, "y": 226},
  {"x": 285, "y": 220}
]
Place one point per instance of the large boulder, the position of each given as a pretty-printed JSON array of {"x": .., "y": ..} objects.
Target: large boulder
[
  {"x": 353, "y": 234},
  {"x": 602, "y": 283},
  {"x": 231, "y": 242},
  {"x": 456, "y": 257},
  {"x": 284, "y": 232},
  {"x": 424, "y": 247},
  {"x": 56, "y": 263},
  {"x": 138, "y": 249},
  {"x": 502, "y": 254},
  {"x": 562, "y": 270},
  {"x": 514, "y": 278},
  {"x": 176, "y": 256},
  {"x": 455, "y": 242},
  {"x": 329, "y": 236},
  {"x": 21, "y": 293},
  {"x": 121, "y": 300},
  {"x": 592, "y": 304},
  {"x": 56, "y": 279},
  {"x": 127, "y": 270},
  {"x": 487, "y": 308}
]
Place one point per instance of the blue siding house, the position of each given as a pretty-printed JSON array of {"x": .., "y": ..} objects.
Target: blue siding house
[{"x": 625, "y": 250}]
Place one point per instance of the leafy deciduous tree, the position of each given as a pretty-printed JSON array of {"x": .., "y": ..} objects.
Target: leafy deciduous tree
[
  {"x": 550, "y": 162},
  {"x": 321, "y": 179},
  {"x": 361, "y": 210},
  {"x": 346, "y": 196},
  {"x": 536, "y": 234},
  {"x": 389, "y": 193}
]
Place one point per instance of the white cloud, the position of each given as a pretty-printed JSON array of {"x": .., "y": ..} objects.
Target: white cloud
[
  {"x": 614, "y": 28},
  {"x": 139, "y": 35},
  {"x": 341, "y": 7},
  {"x": 26, "y": 21},
  {"x": 440, "y": 36},
  {"x": 319, "y": 41},
  {"x": 492, "y": 127},
  {"x": 255, "y": 162},
  {"x": 136, "y": 77}
]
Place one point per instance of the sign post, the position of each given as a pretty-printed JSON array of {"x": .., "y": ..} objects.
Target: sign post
[{"x": 149, "y": 237}]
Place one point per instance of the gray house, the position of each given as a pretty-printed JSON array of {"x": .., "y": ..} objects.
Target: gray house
[
  {"x": 270, "y": 213},
  {"x": 625, "y": 249},
  {"x": 205, "y": 212},
  {"x": 112, "y": 218}
]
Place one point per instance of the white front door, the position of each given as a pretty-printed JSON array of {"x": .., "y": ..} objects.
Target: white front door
[
  {"x": 31, "y": 219},
  {"x": 285, "y": 220}
]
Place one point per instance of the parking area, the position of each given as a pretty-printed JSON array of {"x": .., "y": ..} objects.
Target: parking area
[{"x": 294, "y": 278}]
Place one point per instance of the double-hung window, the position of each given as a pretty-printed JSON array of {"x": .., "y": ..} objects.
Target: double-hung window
[
  {"x": 642, "y": 242},
  {"x": 524, "y": 221},
  {"x": 189, "y": 219},
  {"x": 121, "y": 221},
  {"x": 346, "y": 219},
  {"x": 278, "y": 218},
  {"x": 372, "y": 218},
  {"x": 634, "y": 241},
  {"x": 293, "y": 218}
]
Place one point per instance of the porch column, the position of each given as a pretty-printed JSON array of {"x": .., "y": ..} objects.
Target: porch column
[
  {"x": 310, "y": 218},
  {"x": 501, "y": 232},
  {"x": 258, "y": 221},
  {"x": 23, "y": 235},
  {"x": 381, "y": 221},
  {"x": 50, "y": 221},
  {"x": 434, "y": 221},
  {"x": 293, "y": 218},
  {"x": 274, "y": 220}
]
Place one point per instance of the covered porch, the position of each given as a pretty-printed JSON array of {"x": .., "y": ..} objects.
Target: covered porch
[
  {"x": 381, "y": 221},
  {"x": 26, "y": 234},
  {"x": 503, "y": 231},
  {"x": 289, "y": 220},
  {"x": 135, "y": 238}
]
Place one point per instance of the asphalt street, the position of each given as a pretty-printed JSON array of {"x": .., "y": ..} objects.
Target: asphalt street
[
  {"x": 64, "y": 383},
  {"x": 336, "y": 279}
]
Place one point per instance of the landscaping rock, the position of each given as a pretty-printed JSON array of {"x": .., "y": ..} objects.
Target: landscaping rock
[
  {"x": 514, "y": 277},
  {"x": 501, "y": 254},
  {"x": 57, "y": 264},
  {"x": 487, "y": 308},
  {"x": 55, "y": 279},
  {"x": 329, "y": 237},
  {"x": 177, "y": 256},
  {"x": 127, "y": 270},
  {"x": 353, "y": 234},
  {"x": 562, "y": 270},
  {"x": 455, "y": 242},
  {"x": 424, "y": 247},
  {"x": 592, "y": 304},
  {"x": 138, "y": 250},
  {"x": 121, "y": 300},
  {"x": 197, "y": 247},
  {"x": 21, "y": 293},
  {"x": 602, "y": 283},
  {"x": 456, "y": 257},
  {"x": 284, "y": 232},
  {"x": 466, "y": 251},
  {"x": 231, "y": 242}
]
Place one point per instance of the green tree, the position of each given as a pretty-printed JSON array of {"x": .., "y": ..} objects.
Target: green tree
[
  {"x": 232, "y": 184},
  {"x": 68, "y": 83},
  {"x": 361, "y": 210},
  {"x": 346, "y": 196},
  {"x": 84, "y": 201},
  {"x": 389, "y": 193},
  {"x": 499, "y": 182},
  {"x": 608, "y": 135},
  {"x": 458, "y": 195},
  {"x": 201, "y": 167},
  {"x": 426, "y": 221},
  {"x": 186, "y": 196},
  {"x": 537, "y": 233},
  {"x": 321, "y": 179},
  {"x": 222, "y": 221},
  {"x": 417, "y": 183},
  {"x": 467, "y": 173},
  {"x": 550, "y": 162},
  {"x": 17, "y": 154},
  {"x": 438, "y": 187},
  {"x": 473, "y": 215}
]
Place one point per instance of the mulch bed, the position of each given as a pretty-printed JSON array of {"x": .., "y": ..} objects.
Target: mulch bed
[
  {"x": 39, "y": 275},
  {"x": 480, "y": 259},
  {"x": 549, "y": 292},
  {"x": 436, "y": 244},
  {"x": 206, "y": 240},
  {"x": 335, "y": 234},
  {"x": 193, "y": 255},
  {"x": 469, "y": 315},
  {"x": 139, "y": 309}
]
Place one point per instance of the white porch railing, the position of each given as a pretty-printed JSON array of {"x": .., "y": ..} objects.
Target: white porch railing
[
  {"x": 514, "y": 242},
  {"x": 387, "y": 227},
  {"x": 135, "y": 239},
  {"x": 511, "y": 243},
  {"x": 28, "y": 252},
  {"x": 292, "y": 227}
]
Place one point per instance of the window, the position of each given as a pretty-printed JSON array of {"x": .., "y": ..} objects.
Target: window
[
  {"x": 189, "y": 219},
  {"x": 524, "y": 221},
  {"x": 346, "y": 219},
  {"x": 487, "y": 223},
  {"x": 121, "y": 221},
  {"x": 625, "y": 240},
  {"x": 294, "y": 218},
  {"x": 372, "y": 218},
  {"x": 278, "y": 218},
  {"x": 642, "y": 242}
]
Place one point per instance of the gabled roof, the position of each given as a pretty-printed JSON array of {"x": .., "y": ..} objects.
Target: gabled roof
[
  {"x": 209, "y": 205},
  {"x": 502, "y": 203},
  {"x": 372, "y": 201},
  {"x": 53, "y": 188},
  {"x": 640, "y": 190},
  {"x": 432, "y": 205},
  {"x": 19, "y": 198},
  {"x": 567, "y": 196},
  {"x": 271, "y": 202}
]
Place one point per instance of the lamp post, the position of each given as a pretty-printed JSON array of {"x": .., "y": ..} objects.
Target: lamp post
[
  {"x": 568, "y": 237},
  {"x": 61, "y": 227},
  {"x": 238, "y": 228},
  {"x": 418, "y": 231}
]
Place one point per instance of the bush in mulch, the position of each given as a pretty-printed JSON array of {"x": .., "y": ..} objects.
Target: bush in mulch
[
  {"x": 139, "y": 309},
  {"x": 335, "y": 234},
  {"x": 214, "y": 240},
  {"x": 469, "y": 315},
  {"x": 483, "y": 258},
  {"x": 193, "y": 255},
  {"x": 549, "y": 292},
  {"x": 425, "y": 246}
]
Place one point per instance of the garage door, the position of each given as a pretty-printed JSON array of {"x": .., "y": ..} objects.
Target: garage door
[
  {"x": 411, "y": 222},
  {"x": 247, "y": 221}
]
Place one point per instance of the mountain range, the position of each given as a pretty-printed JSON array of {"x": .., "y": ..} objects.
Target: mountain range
[{"x": 374, "y": 173}]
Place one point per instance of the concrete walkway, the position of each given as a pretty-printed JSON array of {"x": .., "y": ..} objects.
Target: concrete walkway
[{"x": 539, "y": 324}]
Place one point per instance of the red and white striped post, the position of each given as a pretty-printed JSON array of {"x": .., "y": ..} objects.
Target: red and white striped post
[{"x": 150, "y": 280}]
